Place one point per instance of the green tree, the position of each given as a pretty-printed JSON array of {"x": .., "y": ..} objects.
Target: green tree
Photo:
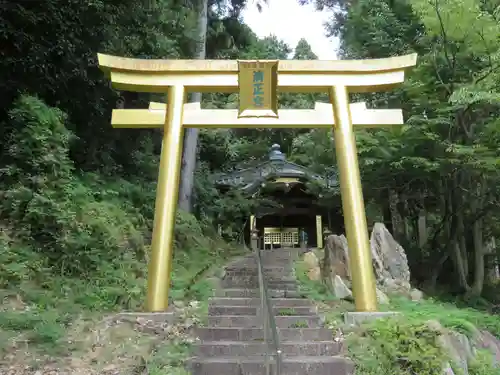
[
  {"x": 437, "y": 176},
  {"x": 303, "y": 51}
]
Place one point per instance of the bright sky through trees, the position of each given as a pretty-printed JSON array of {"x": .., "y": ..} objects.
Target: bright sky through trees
[{"x": 290, "y": 22}]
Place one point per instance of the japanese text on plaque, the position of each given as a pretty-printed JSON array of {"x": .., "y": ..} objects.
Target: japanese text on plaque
[{"x": 258, "y": 92}]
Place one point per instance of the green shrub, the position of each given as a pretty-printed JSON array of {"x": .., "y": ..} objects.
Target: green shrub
[
  {"x": 73, "y": 244},
  {"x": 464, "y": 320},
  {"x": 67, "y": 223},
  {"x": 396, "y": 347},
  {"x": 18, "y": 262}
]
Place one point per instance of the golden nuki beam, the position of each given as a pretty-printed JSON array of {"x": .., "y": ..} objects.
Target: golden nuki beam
[
  {"x": 194, "y": 117},
  {"x": 337, "y": 78}
]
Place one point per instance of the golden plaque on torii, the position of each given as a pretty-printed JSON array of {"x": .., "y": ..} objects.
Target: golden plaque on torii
[
  {"x": 258, "y": 84},
  {"x": 337, "y": 78}
]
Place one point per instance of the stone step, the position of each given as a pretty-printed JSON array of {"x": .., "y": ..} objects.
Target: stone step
[
  {"x": 282, "y": 284},
  {"x": 324, "y": 365},
  {"x": 255, "y": 278},
  {"x": 250, "y": 268},
  {"x": 268, "y": 277},
  {"x": 288, "y": 348},
  {"x": 245, "y": 321},
  {"x": 270, "y": 254},
  {"x": 257, "y": 334},
  {"x": 235, "y": 283},
  {"x": 276, "y": 302},
  {"x": 268, "y": 264},
  {"x": 254, "y": 292},
  {"x": 268, "y": 257},
  {"x": 255, "y": 310}
]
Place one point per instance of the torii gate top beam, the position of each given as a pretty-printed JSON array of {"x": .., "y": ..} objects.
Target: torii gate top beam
[{"x": 222, "y": 75}]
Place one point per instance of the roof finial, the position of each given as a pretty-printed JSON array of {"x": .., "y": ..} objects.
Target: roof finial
[{"x": 275, "y": 153}]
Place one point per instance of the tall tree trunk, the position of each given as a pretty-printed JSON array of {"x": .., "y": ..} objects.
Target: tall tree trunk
[
  {"x": 406, "y": 219},
  {"x": 479, "y": 266},
  {"x": 189, "y": 154},
  {"x": 492, "y": 269},
  {"x": 454, "y": 244},
  {"x": 436, "y": 271},
  {"x": 397, "y": 220},
  {"x": 479, "y": 251},
  {"x": 422, "y": 228},
  {"x": 386, "y": 212},
  {"x": 462, "y": 241}
]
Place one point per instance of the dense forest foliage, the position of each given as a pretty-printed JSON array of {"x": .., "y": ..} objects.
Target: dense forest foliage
[{"x": 77, "y": 197}]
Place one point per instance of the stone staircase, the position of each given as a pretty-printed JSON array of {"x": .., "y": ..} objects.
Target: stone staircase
[{"x": 233, "y": 341}]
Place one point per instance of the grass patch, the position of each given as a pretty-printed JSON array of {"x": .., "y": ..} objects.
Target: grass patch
[
  {"x": 299, "y": 324},
  {"x": 464, "y": 320},
  {"x": 314, "y": 290},
  {"x": 450, "y": 315},
  {"x": 286, "y": 312},
  {"x": 169, "y": 359},
  {"x": 58, "y": 321},
  {"x": 399, "y": 347},
  {"x": 407, "y": 344}
]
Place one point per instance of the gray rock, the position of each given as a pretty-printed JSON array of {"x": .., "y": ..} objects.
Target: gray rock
[
  {"x": 485, "y": 340},
  {"x": 389, "y": 257},
  {"x": 416, "y": 295},
  {"x": 382, "y": 297},
  {"x": 340, "y": 289},
  {"x": 389, "y": 263},
  {"x": 456, "y": 345},
  {"x": 448, "y": 370},
  {"x": 459, "y": 348},
  {"x": 339, "y": 255}
]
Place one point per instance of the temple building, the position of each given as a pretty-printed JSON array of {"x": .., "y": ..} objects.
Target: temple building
[{"x": 295, "y": 208}]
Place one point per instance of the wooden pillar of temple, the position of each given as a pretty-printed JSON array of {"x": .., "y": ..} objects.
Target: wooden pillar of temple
[{"x": 319, "y": 232}]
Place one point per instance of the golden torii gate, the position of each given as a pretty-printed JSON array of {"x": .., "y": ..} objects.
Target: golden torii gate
[{"x": 257, "y": 83}]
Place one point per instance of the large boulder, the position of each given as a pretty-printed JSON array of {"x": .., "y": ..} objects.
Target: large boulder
[
  {"x": 312, "y": 263},
  {"x": 339, "y": 256},
  {"x": 462, "y": 349},
  {"x": 390, "y": 264},
  {"x": 389, "y": 260}
]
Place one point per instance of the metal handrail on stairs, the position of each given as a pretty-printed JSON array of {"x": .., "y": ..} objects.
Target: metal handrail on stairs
[{"x": 270, "y": 330}]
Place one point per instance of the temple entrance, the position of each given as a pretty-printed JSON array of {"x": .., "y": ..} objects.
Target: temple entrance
[{"x": 284, "y": 230}]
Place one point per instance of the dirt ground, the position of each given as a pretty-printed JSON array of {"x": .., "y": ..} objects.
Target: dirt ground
[{"x": 104, "y": 345}]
